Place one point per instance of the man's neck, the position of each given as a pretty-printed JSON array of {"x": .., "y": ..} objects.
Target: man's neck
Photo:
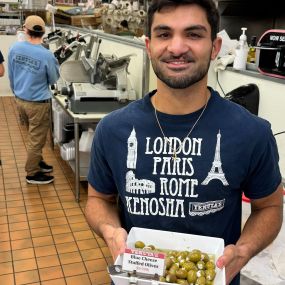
[
  {"x": 180, "y": 101},
  {"x": 34, "y": 41}
]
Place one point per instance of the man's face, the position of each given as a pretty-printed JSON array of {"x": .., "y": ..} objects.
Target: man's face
[{"x": 180, "y": 48}]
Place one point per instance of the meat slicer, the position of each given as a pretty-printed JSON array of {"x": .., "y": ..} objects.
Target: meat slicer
[{"x": 99, "y": 85}]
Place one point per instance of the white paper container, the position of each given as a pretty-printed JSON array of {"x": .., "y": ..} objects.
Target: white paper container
[{"x": 172, "y": 241}]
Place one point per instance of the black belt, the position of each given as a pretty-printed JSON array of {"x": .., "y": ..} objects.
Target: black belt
[{"x": 40, "y": 101}]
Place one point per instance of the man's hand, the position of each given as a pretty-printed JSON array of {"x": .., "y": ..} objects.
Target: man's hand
[
  {"x": 117, "y": 242},
  {"x": 101, "y": 212},
  {"x": 231, "y": 260}
]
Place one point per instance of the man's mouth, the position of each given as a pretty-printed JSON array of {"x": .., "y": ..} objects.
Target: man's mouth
[{"x": 178, "y": 62}]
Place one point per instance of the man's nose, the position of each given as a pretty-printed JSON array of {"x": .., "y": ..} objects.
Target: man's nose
[{"x": 177, "y": 45}]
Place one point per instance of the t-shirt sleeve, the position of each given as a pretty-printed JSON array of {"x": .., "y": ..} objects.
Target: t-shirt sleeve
[
  {"x": 264, "y": 175},
  {"x": 1, "y": 57},
  {"x": 100, "y": 175}
]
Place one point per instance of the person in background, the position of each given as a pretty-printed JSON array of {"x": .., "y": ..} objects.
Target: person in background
[
  {"x": 182, "y": 156},
  {"x": 32, "y": 69},
  {"x": 2, "y": 68}
]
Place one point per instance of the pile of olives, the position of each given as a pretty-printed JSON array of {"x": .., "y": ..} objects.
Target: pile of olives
[{"x": 185, "y": 267}]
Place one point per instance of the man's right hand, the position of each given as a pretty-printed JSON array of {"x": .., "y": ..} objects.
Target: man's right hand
[{"x": 117, "y": 242}]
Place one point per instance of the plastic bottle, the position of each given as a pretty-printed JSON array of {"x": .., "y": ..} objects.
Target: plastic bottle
[
  {"x": 241, "y": 52},
  {"x": 252, "y": 50}
]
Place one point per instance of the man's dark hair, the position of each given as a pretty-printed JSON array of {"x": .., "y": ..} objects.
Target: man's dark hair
[
  {"x": 35, "y": 34},
  {"x": 209, "y": 6}
]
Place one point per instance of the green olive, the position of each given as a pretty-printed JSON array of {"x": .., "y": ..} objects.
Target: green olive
[
  {"x": 196, "y": 250},
  {"x": 171, "y": 278},
  {"x": 205, "y": 257},
  {"x": 162, "y": 279},
  {"x": 172, "y": 270},
  {"x": 210, "y": 274},
  {"x": 150, "y": 247},
  {"x": 173, "y": 253},
  {"x": 189, "y": 265},
  {"x": 182, "y": 255},
  {"x": 200, "y": 273},
  {"x": 139, "y": 244},
  {"x": 201, "y": 264},
  {"x": 181, "y": 273},
  {"x": 195, "y": 256},
  {"x": 191, "y": 276},
  {"x": 168, "y": 262},
  {"x": 182, "y": 282},
  {"x": 210, "y": 265},
  {"x": 201, "y": 281}
]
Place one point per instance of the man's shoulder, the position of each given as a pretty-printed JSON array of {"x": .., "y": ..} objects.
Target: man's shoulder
[{"x": 238, "y": 118}]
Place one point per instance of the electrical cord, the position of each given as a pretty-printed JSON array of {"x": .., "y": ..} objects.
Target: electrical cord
[
  {"x": 283, "y": 132},
  {"x": 220, "y": 84}
]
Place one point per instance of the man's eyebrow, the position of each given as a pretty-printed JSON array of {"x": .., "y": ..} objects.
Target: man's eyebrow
[
  {"x": 191, "y": 28},
  {"x": 161, "y": 28},
  {"x": 197, "y": 27}
]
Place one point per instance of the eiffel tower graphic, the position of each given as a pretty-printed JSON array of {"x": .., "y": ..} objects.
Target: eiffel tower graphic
[{"x": 216, "y": 171}]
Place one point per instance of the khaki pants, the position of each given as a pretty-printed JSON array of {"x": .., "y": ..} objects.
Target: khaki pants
[{"x": 37, "y": 117}]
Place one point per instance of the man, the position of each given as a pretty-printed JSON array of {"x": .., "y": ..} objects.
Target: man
[
  {"x": 182, "y": 156},
  {"x": 32, "y": 69},
  {"x": 2, "y": 68}
]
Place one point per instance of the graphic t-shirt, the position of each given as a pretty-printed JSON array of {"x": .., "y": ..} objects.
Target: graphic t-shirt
[
  {"x": 229, "y": 151},
  {"x": 32, "y": 69}
]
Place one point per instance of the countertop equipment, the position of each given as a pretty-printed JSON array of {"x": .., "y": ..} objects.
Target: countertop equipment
[
  {"x": 97, "y": 85},
  {"x": 271, "y": 53}
]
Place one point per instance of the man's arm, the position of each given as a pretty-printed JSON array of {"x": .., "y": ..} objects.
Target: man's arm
[
  {"x": 2, "y": 69},
  {"x": 102, "y": 215},
  {"x": 261, "y": 228}
]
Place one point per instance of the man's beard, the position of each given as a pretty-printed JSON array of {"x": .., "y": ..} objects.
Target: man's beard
[{"x": 184, "y": 81}]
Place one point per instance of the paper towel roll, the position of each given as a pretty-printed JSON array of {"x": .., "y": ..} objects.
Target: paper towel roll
[
  {"x": 115, "y": 3},
  {"x": 135, "y": 5},
  {"x": 109, "y": 20},
  {"x": 126, "y": 5},
  {"x": 117, "y": 13},
  {"x": 141, "y": 13},
  {"x": 112, "y": 7},
  {"x": 126, "y": 12}
]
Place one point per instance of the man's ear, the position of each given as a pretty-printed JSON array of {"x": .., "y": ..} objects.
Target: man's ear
[
  {"x": 217, "y": 44},
  {"x": 147, "y": 45}
]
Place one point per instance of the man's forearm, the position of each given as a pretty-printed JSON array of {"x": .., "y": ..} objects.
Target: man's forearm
[
  {"x": 260, "y": 230},
  {"x": 102, "y": 216},
  {"x": 262, "y": 226},
  {"x": 2, "y": 70}
]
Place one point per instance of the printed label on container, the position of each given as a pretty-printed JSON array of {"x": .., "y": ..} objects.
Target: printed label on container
[{"x": 142, "y": 261}]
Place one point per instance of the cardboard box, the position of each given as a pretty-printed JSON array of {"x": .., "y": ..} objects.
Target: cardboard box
[{"x": 172, "y": 241}]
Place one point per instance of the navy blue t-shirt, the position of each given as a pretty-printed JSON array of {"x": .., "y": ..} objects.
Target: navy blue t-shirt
[
  {"x": 1, "y": 57},
  {"x": 229, "y": 151}
]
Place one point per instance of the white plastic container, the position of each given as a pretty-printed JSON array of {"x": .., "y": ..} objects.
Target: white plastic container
[
  {"x": 171, "y": 241},
  {"x": 86, "y": 140},
  {"x": 67, "y": 151},
  {"x": 241, "y": 52}
]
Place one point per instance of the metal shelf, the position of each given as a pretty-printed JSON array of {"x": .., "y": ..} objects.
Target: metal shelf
[
  {"x": 9, "y": 15},
  {"x": 13, "y": 3}
]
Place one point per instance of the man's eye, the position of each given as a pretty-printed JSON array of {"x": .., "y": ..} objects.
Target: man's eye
[
  {"x": 163, "y": 35},
  {"x": 194, "y": 35}
]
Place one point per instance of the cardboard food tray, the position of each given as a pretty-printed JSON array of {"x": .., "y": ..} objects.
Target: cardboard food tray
[{"x": 172, "y": 241}]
